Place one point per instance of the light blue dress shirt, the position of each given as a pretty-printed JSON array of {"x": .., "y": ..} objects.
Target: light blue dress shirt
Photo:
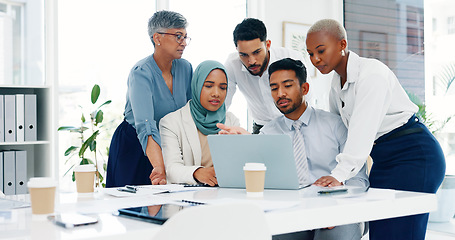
[
  {"x": 148, "y": 98},
  {"x": 325, "y": 135}
]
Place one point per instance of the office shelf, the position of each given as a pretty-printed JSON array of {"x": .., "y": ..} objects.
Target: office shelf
[{"x": 39, "y": 153}]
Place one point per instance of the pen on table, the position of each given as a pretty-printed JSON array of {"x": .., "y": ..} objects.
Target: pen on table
[
  {"x": 192, "y": 202},
  {"x": 332, "y": 191},
  {"x": 131, "y": 187},
  {"x": 197, "y": 185},
  {"x": 126, "y": 190}
]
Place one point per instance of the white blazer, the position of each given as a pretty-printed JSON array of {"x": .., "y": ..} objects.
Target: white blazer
[{"x": 181, "y": 146}]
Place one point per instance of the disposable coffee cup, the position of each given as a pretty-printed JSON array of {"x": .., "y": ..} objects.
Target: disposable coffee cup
[
  {"x": 85, "y": 178},
  {"x": 42, "y": 194},
  {"x": 254, "y": 179}
]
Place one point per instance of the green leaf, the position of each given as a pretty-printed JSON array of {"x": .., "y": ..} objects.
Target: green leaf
[
  {"x": 95, "y": 93},
  {"x": 70, "y": 150},
  {"x": 73, "y": 177},
  {"x": 100, "y": 176},
  {"x": 99, "y": 117},
  {"x": 87, "y": 143},
  {"x": 69, "y": 158},
  {"x": 83, "y": 118},
  {"x": 67, "y": 171},
  {"x": 86, "y": 161},
  {"x": 445, "y": 77},
  {"x": 83, "y": 148},
  {"x": 105, "y": 103},
  {"x": 67, "y": 128},
  {"x": 93, "y": 145}
]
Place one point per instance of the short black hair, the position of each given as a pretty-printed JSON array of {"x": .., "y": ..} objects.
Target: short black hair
[
  {"x": 249, "y": 29},
  {"x": 290, "y": 64}
]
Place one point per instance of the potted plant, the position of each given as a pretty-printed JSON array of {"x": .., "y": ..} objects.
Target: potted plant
[{"x": 92, "y": 128}]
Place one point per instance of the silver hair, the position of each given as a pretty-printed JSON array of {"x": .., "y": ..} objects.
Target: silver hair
[
  {"x": 163, "y": 20},
  {"x": 331, "y": 26}
]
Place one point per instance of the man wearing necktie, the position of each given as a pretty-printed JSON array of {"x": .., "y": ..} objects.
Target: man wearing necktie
[{"x": 318, "y": 136}]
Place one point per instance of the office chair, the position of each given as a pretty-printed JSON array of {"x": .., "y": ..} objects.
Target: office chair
[{"x": 221, "y": 222}]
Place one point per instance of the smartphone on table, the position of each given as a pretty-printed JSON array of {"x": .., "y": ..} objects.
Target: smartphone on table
[{"x": 71, "y": 220}]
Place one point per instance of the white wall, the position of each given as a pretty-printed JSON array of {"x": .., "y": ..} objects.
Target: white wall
[{"x": 273, "y": 13}]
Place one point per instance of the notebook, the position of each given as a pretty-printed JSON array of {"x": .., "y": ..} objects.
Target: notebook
[{"x": 231, "y": 152}]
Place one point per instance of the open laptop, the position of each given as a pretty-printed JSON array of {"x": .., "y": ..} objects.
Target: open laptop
[{"x": 231, "y": 152}]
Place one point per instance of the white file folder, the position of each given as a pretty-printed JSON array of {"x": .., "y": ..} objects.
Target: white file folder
[
  {"x": 21, "y": 172},
  {"x": 20, "y": 117},
  {"x": 30, "y": 117},
  {"x": 2, "y": 120},
  {"x": 10, "y": 118},
  {"x": 1, "y": 171},
  {"x": 9, "y": 172}
]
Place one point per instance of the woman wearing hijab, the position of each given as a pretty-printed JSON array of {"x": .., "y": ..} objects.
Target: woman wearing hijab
[
  {"x": 381, "y": 122},
  {"x": 184, "y": 132},
  {"x": 157, "y": 85}
]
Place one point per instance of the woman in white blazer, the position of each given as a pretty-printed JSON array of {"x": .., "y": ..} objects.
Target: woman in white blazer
[{"x": 184, "y": 132}]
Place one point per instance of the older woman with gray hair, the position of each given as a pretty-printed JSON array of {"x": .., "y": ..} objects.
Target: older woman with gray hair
[{"x": 157, "y": 85}]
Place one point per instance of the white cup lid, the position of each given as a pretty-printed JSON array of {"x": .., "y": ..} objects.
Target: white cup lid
[
  {"x": 254, "y": 167},
  {"x": 85, "y": 168},
  {"x": 41, "y": 182}
]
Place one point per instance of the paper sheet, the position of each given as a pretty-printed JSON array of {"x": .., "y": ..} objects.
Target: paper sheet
[
  {"x": 146, "y": 190},
  {"x": 7, "y": 204}
]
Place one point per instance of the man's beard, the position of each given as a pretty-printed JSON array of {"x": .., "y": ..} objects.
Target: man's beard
[
  {"x": 294, "y": 106},
  {"x": 262, "y": 69}
]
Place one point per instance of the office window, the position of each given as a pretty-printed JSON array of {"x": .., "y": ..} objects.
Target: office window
[
  {"x": 414, "y": 29},
  {"x": 210, "y": 27},
  {"x": 392, "y": 32},
  {"x": 11, "y": 43},
  {"x": 211, "y": 30},
  {"x": 99, "y": 42},
  {"x": 451, "y": 25},
  {"x": 435, "y": 24}
]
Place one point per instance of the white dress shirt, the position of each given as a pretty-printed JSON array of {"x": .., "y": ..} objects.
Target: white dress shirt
[
  {"x": 324, "y": 134},
  {"x": 256, "y": 89},
  {"x": 374, "y": 104}
]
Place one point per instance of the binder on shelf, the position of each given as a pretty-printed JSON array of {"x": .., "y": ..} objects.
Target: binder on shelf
[
  {"x": 21, "y": 172},
  {"x": 9, "y": 172},
  {"x": 1, "y": 171},
  {"x": 30, "y": 117},
  {"x": 10, "y": 118},
  {"x": 2, "y": 120},
  {"x": 19, "y": 117}
]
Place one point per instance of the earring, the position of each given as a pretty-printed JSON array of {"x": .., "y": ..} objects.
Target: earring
[
  {"x": 343, "y": 53},
  {"x": 159, "y": 44}
]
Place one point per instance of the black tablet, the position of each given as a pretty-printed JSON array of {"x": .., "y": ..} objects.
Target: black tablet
[{"x": 154, "y": 213}]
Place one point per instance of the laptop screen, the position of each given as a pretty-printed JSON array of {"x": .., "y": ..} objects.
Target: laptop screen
[{"x": 231, "y": 152}]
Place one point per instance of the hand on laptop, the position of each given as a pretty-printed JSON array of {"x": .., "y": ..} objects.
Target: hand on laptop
[
  {"x": 327, "y": 181},
  {"x": 206, "y": 175},
  {"x": 231, "y": 129}
]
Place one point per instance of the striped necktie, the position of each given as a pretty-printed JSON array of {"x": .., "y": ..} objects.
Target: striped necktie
[{"x": 300, "y": 153}]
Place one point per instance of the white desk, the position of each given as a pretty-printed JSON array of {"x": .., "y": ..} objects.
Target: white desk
[{"x": 310, "y": 212}]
